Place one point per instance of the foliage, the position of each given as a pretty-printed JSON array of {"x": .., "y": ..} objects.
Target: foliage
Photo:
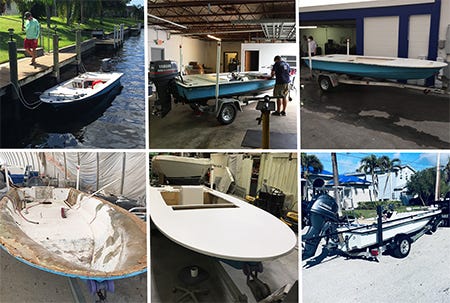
[
  {"x": 66, "y": 33},
  {"x": 374, "y": 204},
  {"x": 423, "y": 184},
  {"x": 310, "y": 164},
  {"x": 374, "y": 166}
]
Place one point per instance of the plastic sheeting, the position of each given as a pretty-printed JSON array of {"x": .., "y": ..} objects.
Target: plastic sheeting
[
  {"x": 281, "y": 171},
  {"x": 124, "y": 172}
]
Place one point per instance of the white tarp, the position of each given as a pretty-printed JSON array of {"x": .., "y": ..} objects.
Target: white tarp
[{"x": 128, "y": 170}]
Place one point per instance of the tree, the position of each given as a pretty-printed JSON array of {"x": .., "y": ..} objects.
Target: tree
[
  {"x": 370, "y": 165},
  {"x": 310, "y": 164},
  {"x": 423, "y": 184},
  {"x": 389, "y": 166}
]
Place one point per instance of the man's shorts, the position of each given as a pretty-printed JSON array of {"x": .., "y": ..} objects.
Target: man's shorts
[
  {"x": 281, "y": 90},
  {"x": 30, "y": 43}
]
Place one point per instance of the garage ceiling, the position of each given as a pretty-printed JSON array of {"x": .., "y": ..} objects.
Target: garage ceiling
[{"x": 229, "y": 20}]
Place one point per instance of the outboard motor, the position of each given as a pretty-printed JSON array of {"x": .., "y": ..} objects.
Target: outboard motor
[
  {"x": 323, "y": 217},
  {"x": 162, "y": 74}
]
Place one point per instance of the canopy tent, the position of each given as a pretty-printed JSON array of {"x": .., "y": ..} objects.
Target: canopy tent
[{"x": 127, "y": 171}]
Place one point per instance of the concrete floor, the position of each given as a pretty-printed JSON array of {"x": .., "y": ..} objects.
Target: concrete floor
[
  {"x": 422, "y": 277},
  {"x": 182, "y": 128},
  {"x": 20, "y": 283},
  {"x": 168, "y": 258},
  {"x": 372, "y": 117}
]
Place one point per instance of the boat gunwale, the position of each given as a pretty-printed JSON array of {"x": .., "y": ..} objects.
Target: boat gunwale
[
  {"x": 328, "y": 59},
  {"x": 360, "y": 230},
  {"x": 138, "y": 268}
]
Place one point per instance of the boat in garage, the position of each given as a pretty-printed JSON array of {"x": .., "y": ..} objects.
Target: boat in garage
[
  {"x": 375, "y": 67},
  {"x": 192, "y": 88},
  {"x": 219, "y": 225}
]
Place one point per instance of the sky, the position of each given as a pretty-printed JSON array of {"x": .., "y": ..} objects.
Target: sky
[
  {"x": 137, "y": 2},
  {"x": 349, "y": 162}
]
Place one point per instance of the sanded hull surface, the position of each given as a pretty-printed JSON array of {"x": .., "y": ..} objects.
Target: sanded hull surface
[{"x": 84, "y": 237}]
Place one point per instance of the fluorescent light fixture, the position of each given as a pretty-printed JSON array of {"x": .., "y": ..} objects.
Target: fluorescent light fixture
[
  {"x": 215, "y": 38},
  {"x": 306, "y": 27},
  {"x": 165, "y": 20}
]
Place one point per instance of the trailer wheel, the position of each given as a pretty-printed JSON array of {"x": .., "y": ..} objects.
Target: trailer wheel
[
  {"x": 325, "y": 83},
  {"x": 402, "y": 247},
  {"x": 227, "y": 114}
]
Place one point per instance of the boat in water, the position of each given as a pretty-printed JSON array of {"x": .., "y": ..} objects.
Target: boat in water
[
  {"x": 181, "y": 170},
  {"x": 376, "y": 67},
  {"x": 70, "y": 233},
  {"x": 219, "y": 225},
  {"x": 391, "y": 231},
  {"x": 81, "y": 91},
  {"x": 191, "y": 88}
]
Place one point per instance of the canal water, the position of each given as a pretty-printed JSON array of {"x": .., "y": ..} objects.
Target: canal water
[{"x": 115, "y": 122}]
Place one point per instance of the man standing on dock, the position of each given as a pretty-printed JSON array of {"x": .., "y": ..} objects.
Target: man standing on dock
[{"x": 32, "y": 30}]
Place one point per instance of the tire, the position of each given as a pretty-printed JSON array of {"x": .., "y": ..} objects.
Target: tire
[
  {"x": 325, "y": 83},
  {"x": 402, "y": 247},
  {"x": 227, "y": 114}
]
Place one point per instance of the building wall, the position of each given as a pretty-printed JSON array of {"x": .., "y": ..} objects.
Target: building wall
[
  {"x": 267, "y": 51},
  {"x": 371, "y": 9},
  {"x": 191, "y": 49},
  {"x": 202, "y": 52}
]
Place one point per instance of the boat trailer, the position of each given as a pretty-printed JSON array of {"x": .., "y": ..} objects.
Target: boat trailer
[
  {"x": 327, "y": 81},
  {"x": 325, "y": 222}
]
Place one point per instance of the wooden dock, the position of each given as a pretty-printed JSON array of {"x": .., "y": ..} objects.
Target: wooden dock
[{"x": 28, "y": 73}]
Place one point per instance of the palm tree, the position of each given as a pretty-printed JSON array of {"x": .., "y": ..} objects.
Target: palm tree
[
  {"x": 310, "y": 164},
  {"x": 389, "y": 166},
  {"x": 370, "y": 165}
]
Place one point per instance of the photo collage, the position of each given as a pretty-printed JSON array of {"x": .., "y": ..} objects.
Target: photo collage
[{"x": 159, "y": 151}]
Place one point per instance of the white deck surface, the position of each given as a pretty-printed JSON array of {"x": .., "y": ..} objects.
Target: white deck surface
[{"x": 243, "y": 233}]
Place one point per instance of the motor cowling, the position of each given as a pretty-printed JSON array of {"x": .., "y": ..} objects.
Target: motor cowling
[
  {"x": 323, "y": 213},
  {"x": 162, "y": 74}
]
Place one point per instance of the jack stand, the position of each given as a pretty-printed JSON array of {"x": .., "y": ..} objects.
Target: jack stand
[
  {"x": 260, "y": 290},
  {"x": 100, "y": 288},
  {"x": 265, "y": 106}
]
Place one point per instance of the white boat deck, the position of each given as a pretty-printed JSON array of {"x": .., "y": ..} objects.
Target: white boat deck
[{"x": 219, "y": 225}]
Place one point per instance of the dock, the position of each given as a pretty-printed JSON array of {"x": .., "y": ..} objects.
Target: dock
[{"x": 28, "y": 73}]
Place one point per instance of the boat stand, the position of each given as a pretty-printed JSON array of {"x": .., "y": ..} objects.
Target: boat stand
[{"x": 265, "y": 106}]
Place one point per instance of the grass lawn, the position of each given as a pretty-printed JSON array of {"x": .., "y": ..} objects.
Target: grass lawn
[{"x": 66, "y": 33}]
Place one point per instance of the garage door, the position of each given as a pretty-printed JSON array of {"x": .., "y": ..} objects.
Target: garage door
[
  {"x": 381, "y": 36},
  {"x": 419, "y": 35}
]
